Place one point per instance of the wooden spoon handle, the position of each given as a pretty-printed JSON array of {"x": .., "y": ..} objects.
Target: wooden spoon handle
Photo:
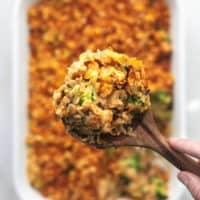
[
  {"x": 178, "y": 159},
  {"x": 160, "y": 145}
]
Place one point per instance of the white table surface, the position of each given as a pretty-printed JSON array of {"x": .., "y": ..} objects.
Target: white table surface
[{"x": 192, "y": 11}]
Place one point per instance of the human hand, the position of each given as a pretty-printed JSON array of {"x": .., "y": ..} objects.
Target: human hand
[{"x": 191, "y": 181}]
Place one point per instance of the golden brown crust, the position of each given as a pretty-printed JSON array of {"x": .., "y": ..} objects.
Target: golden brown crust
[{"x": 104, "y": 92}]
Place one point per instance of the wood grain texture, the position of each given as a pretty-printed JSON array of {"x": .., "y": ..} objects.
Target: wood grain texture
[{"x": 160, "y": 145}]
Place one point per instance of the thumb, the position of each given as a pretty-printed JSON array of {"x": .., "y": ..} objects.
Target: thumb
[{"x": 192, "y": 182}]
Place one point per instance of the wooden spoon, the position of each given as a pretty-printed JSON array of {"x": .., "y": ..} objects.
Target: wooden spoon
[{"x": 147, "y": 135}]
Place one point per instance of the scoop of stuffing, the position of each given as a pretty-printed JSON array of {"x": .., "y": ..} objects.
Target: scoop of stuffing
[{"x": 103, "y": 93}]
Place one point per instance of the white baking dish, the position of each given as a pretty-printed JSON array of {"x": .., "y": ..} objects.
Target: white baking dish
[{"x": 20, "y": 86}]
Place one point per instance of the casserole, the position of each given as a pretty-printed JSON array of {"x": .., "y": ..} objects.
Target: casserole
[{"x": 20, "y": 64}]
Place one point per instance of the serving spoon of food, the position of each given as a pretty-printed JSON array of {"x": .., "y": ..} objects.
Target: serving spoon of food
[
  {"x": 147, "y": 135},
  {"x": 105, "y": 102}
]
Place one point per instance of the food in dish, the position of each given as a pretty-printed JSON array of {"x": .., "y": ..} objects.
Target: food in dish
[{"x": 59, "y": 166}]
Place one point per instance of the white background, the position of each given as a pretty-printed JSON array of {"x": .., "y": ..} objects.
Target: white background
[{"x": 192, "y": 12}]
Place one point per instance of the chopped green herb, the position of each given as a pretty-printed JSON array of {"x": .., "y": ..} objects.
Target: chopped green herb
[
  {"x": 132, "y": 99},
  {"x": 135, "y": 100},
  {"x": 133, "y": 162},
  {"x": 163, "y": 97},
  {"x": 88, "y": 96},
  {"x": 157, "y": 181},
  {"x": 81, "y": 101},
  {"x": 162, "y": 107},
  {"x": 161, "y": 192}
]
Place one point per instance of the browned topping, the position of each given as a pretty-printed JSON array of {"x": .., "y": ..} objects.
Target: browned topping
[
  {"x": 104, "y": 93},
  {"x": 58, "y": 166}
]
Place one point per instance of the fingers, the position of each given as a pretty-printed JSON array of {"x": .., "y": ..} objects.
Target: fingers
[
  {"x": 186, "y": 146},
  {"x": 192, "y": 182}
]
